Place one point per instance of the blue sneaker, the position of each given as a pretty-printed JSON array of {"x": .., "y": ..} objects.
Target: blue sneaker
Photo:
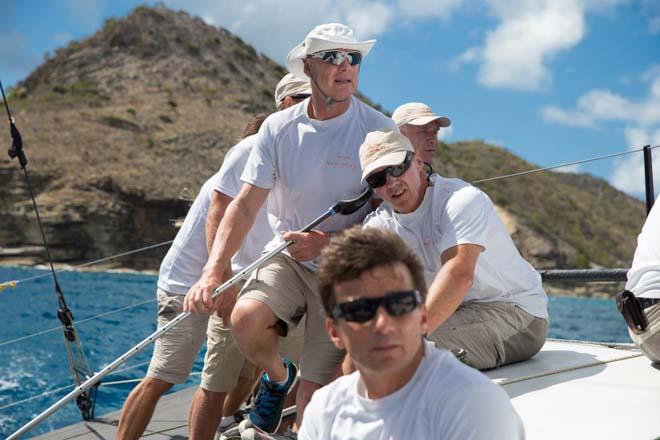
[{"x": 266, "y": 414}]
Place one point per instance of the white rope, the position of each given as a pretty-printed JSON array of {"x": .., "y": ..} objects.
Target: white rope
[
  {"x": 57, "y": 390},
  {"x": 91, "y": 263},
  {"x": 100, "y": 315},
  {"x": 536, "y": 170}
]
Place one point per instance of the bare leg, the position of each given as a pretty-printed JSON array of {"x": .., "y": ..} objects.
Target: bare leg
[
  {"x": 239, "y": 394},
  {"x": 253, "y": 329},
  {"x": 139, "y": 407},
  {"x": 205, "y": 413},
  {"x": 304, "y": 395}
]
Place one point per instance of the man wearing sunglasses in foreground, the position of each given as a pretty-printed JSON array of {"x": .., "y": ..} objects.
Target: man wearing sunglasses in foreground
[
  {"x": 372, "y": 287},
  {"x": 483, "y": 296},
  {"x": 304, "y": 160}
]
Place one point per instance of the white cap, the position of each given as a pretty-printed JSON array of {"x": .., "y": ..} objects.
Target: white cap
[
  {"x": 417, "y": 113},
  {"x": 291, "y": 85},
  {"x": 325, "y": 37},
  {"x": 383, "y": 148}
]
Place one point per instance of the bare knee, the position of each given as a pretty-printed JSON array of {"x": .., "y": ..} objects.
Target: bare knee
[
  {"x": 251, "y": 317},
  {"x": 151, "y": 385},
  {"x": 305, "y": 391}
]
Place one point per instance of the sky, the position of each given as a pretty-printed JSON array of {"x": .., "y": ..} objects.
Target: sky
[{"x": 553, "y": 81}]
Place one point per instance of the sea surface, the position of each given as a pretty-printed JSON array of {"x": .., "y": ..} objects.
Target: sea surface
[{"x": 33, "y": 365}]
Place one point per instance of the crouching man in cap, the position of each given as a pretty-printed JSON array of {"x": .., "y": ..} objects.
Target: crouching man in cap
[
  {"x": 372, "y": 287},
  {"x": 483, "y": 296},
  {"x": 420, "y": 125},
  {"x": 304, "y": 160}
]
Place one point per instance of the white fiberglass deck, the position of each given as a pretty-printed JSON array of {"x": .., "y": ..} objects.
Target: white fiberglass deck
[{"x": 570, "y": 390}]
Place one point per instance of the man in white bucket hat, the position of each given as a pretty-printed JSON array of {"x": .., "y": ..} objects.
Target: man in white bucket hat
[
  {"x": 420, "y": 125},
  {"x": 304, "y": 160}
]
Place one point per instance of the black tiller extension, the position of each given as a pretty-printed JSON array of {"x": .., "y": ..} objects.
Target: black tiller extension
[{"x": 77, "y": 362}]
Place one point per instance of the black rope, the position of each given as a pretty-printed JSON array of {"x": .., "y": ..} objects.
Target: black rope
[
  {"x": 80, "y": 368},
  {"x": 587, "y": 275}
]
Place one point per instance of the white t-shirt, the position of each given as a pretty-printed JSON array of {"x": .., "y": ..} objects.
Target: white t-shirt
[
  {"x": 644, "y": 274},
  {"x": 185, "y": 260},
  {"x": 310, "y": 165},
  {"x": 444, "y": 400},
  {"x": 454, "y": 212}
]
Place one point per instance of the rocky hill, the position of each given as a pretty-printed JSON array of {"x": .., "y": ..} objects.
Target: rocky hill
[{"x": 122, "y": 128}]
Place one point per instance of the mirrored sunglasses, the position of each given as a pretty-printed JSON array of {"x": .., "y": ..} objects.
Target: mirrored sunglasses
[
  {"x": 379, "y": 179},
  {"x": 364, "y": 309},
  {"x": 337, "y": 57}
]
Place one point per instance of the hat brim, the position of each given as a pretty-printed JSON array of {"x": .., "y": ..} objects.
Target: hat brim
[
  {"x": 394, "y": 158},
  {"x": 442, "y": 121},
  {"x": 294, "y": 61}
]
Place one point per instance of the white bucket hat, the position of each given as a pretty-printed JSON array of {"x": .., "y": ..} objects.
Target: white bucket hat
[
  {"x": 383, "y": 148},
  {"x": 291, "y": 85},
  {"x": 325, "y": 37},
  {"x": 417, "y": 113}
]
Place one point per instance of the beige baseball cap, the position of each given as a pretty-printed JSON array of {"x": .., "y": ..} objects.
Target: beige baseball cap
[
  {"x": 291, "y": 85},
  {"x": 383, "y": 148},
  {"x": 417, "y": 113}
]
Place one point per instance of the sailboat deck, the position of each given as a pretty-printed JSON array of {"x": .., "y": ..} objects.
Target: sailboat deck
[{"x": 568, "y": 390}]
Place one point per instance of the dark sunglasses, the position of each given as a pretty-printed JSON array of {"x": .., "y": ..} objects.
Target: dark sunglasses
[
  {"x": 379, "y": 179},
  {"x": 337, "y": 57},
  {"x": 300, "y": 97},
  {"x": 364, "y": 309}
]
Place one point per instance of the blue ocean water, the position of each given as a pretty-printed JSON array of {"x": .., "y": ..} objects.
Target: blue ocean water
[{"x": 34, "y": 365}]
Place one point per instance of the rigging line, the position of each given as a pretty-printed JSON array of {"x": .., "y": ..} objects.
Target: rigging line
[
  {"x": 536, "y": 170},
  {"x": 121, "y": 382},
  {"x": 21, "y": 338},
  {"x": 90, "y": 263},
  {"x": 47, "y": 393}
]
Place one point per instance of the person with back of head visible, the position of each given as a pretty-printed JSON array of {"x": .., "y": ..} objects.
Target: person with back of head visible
[
  {"x": 642, "y": 294},
  {"x": 420, "y": 125},
  {"x": 305, "y": 159},
  {"x": 227, "y": 378},
  {"x": 483, "y": 296},
  {"x": 372, "y": 287}
]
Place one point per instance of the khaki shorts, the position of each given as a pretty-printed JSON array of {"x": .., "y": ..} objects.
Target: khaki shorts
[
  {"x": 649, "y": 341},
  {"x": 176, "y": 350},
  {"x": 492, "y": 333},
  {"x": 289, "y": 289}
]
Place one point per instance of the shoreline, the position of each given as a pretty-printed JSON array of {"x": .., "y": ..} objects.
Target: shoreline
[{"x": 62, "y": 267}]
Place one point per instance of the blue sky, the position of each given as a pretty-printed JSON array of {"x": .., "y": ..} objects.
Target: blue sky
[{"x": 554, "y": 81}]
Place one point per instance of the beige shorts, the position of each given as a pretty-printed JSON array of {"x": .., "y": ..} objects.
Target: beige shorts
[
  {"x": 289, "y": 289},
  {"x": 649, "y": 341},
  {"x": 176, "y": 350},
  {"x": 492, "y": 333}
]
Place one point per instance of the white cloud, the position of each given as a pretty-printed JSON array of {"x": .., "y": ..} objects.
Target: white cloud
[
  {"x": 470, "y": 55},
  {"x": 628, "y": 172},
  {"x": 275, "y": 27},
  {"x": 642, "y": 126},
  {"x": 515, "y": 55},
  {"x": 424, "y": 9},
  {"x": 603, "y": 106}
]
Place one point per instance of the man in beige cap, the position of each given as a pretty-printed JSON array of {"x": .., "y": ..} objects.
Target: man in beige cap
[
  {"x": 420, "y": 125},
  {"x": 483, "y": 296},
  {"x": 305, "y": 159},
  {"x": 227, "y": 379}
]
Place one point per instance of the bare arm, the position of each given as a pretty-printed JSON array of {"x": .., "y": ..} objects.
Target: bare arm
[
  {"x": 219, "y": 203},
  {"x": 234, "y": 226},
  {"x": 452, "y": 283}
]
